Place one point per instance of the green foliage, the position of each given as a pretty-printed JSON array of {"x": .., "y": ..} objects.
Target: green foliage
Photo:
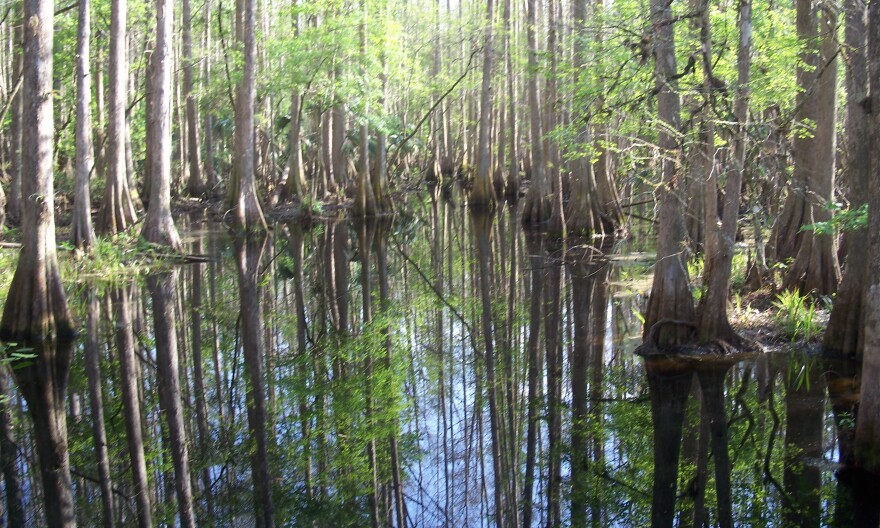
[
  {"x": 796, "y": 315},
  {"x": 843, "y": 219}
]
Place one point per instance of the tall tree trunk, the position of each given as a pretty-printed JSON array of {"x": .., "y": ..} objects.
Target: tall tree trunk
[
  {"x": 589, "y": 283},
  {"x": 815, "y": 267},
  {"x": 96, "y": 404},
  {"x": 399, "y": 502},
  {"x": 36, "y": 307},
  {"x": 210, "y": 171},
  {"x": 200, "y": 393},
  {"x": 867, "y": 440},
  {"x": 720, "y": 240},
  {"x": 380, "y": 174},
  {"x": 482, "y": 222},
  {"x": 711, "y": 378},
  {"x": 117, "y": 211},
  {"x": 159, "y": 225},
  {"x": 249, "y": 253},
  {"x": 513, "y": 177},
  {"x": 43, "y": 384},
  {"x": 195, "y": 186},
  {"x": 801, "y": 479},
  {"x": 14, "y": 206},
  {"x": 553, "y": 171},
  {"x": 670, "y": 312},
  {"x": 537, "y": 207},
  {"x": 589, "y": 210},
  {"x": 81, "y": 233},
  {"x": 483, "y": 192},
  {"x": 669, "y": 385},
  {"x": 242, "y": 192},
  {"x": 295, "y": 176},
  {"x": 131, "y": 407},
  {"x": 162, "y": 291},
  {"x": 844, "y": 334},
  {"x": 365, "y": 204},
  {"x": 552, "y": 330},
  {"x": 15, "y": 514}
]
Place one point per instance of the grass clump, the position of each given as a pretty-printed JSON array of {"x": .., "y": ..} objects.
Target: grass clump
[{"x": 796, "y": 315}]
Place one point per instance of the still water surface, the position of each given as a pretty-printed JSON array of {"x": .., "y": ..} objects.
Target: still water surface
[{"x": 488, "y": 370}]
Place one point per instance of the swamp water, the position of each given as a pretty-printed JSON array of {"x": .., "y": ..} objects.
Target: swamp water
[{"x": 473, "y": 362}]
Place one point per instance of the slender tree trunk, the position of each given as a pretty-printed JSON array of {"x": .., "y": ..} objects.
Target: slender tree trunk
[
  {"x": 380, "y": 174},
  {"x": 670, "y": 312},
  {"x": 162, "y": 291},
  {"x": 669, "y": 387},
  {"x": 815, "y": 267},
  {"x": 96, "y": 403},
  {"x": 131, "y": 405},
  {"x": 15, "y": 513},
  {"x": 483, "y": 192},
  {"x": 844, "y": 334},
  {"x": 867, "y": 440},
  {"x": 14, "y": 206},
  {"x": 537, "y": 207},
  {"x": 204, "y": 438},
  {"x": 720, "y": 240},
  {"x": 249, "y": 253},
  {"x": 481, "y": 226},
  {"x": 552, "y": 328},
  {"x": 159, "y": 226},
  {"x": 210, "y": 171},
  {"x": 195, "y": 186},
  {"x": 711, "y": 379},
  {"x": 81, "y": 233},
  {"x": 513, "y": 177},
  {"x": 381, "y": 242},
  {"x": 242, "y": 196},
  {"x": 295, "y": 176},
  {"x": 117, "y": 211},
  {"x": 365, "y": 204}
]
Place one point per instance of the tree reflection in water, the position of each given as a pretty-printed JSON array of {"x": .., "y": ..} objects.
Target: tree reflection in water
[{"x": 440, "y": 369}]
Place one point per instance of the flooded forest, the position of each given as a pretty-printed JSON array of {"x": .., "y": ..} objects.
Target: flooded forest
[{"x": 424, "y": 263}]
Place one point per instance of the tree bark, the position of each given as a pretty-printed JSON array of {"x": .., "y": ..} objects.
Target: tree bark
[
  {"x": 43, "y": 383},
  {"x": 248, "y": 254},
  {"x": 844, "y": 334},
  {"x": 195, "y": 186},
  {"x": 131, "y": 407},
  {"x": 537, "y": 207},
  {"x": 481, "y": 227},
  {"x": 159, "y": 226},
  {"x": 720, "y": 239},
  {"x": 200, "y": 394},
  {"x": 14, "y": 206},
  {"x": 815, "y": 267},
  {"x": 162, "y": 291},
  {"x": 670, "y": 298},
  {"x": 81, "y": 232},
  {"x": 96, "y": 404},
  {"x": 242, "y": 196},
  {"x": 669, "y": 387},
  {"x": 117, "y": 212},
  {"x": 15, "y": 514},
  {"x": 483, "y": 191}
]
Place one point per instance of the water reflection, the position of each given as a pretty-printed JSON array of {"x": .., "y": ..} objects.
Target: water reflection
[{"x": 443, "y": 369}]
